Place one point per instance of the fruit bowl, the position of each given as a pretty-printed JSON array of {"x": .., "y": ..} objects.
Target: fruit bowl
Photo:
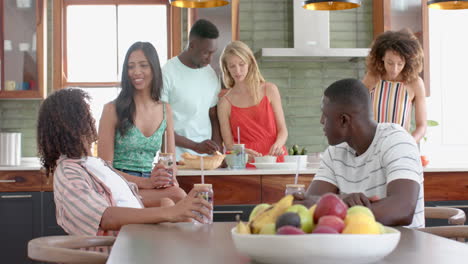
[{"x": 317, "y": 248}]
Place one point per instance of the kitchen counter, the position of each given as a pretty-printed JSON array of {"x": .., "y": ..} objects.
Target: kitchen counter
[
  {"x": 32, "y": 164},
  {"x": 248, "y": 186}
]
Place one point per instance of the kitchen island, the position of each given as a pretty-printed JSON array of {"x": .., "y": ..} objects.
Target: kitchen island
[{"x": 247, "y": 186}]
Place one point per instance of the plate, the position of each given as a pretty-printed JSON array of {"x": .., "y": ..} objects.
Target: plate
[
  {"x": 317, "y": 248},
  {"x": 276, "y": 166}
]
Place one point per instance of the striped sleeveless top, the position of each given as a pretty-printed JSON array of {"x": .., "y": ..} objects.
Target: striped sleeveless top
[{"x": 391, "y": 103}]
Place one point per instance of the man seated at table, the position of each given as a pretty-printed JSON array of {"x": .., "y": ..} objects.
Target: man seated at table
[{"x": 370, "y": 164}]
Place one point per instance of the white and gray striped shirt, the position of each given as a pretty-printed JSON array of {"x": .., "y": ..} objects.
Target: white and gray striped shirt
[{"x": 392, "y": 155}]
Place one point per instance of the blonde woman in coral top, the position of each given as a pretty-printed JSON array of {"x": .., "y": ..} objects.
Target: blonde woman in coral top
[
  {"x": 252, "y": 104},
  {"x": 392, "y": 77}
]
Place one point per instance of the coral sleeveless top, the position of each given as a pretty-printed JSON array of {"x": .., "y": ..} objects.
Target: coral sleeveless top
[
  {"x": 257, "y": 126},
  {"x": 391, "y": 103}
]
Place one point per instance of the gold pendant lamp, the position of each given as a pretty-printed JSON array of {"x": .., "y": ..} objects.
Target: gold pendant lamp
[
  {"x": 448, "y": 5},
  {"x": 198, "y": 3},
  {"x": 330, "y": 5}
]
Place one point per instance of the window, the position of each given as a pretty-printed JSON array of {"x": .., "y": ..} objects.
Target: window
[
  {"x": 90, "y": 41},
  {"x": 447, "y": 144}
]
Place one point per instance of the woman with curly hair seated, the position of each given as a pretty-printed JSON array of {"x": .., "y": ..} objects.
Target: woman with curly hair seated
[{"x": 92, "y": 198}]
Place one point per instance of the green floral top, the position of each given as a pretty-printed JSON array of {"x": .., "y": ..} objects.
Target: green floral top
[{"x": 134, "y": 151}]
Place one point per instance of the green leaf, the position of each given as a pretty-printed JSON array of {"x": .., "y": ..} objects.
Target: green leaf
[{"x": 432, "y": 123}]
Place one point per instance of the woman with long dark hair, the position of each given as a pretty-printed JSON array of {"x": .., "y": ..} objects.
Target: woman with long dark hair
[{"x": 132, "y": 127}]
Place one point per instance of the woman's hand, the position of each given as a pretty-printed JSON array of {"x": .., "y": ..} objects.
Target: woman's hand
[
  {"x": 252, "y": 154},
  {"x": 160, "y": 178},
  {"x": 276, "y": 150},
  {"x": 190, "y": 206}
]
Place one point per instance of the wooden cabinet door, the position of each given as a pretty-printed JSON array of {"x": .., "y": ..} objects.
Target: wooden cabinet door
[
  {"x": 228, "y": 189},
  {"x": 20, "y": 221}
]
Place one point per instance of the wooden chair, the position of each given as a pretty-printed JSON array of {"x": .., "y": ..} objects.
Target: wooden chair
[
  {"x": 66, "y": 249},
  {"x": 454, "y": 216},
  {"x": 456, "y": 219}
]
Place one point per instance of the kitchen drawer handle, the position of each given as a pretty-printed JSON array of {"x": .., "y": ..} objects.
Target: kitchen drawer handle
[
  {"x": 16, "y": 196},
  {"x": 7, "y": 181},
  {"x": 228, "y": 212},
  {"x": 454, "y": 206}
]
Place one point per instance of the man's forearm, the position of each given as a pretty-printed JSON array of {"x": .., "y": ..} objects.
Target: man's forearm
[
  {"x": 387, "y": 213},
  {"x": 215, "y": 128},
  {"x": 183, "y": 142}
]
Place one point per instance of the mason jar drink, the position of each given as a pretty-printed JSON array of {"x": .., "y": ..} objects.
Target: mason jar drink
[
  {"x": 168, "y": 161},
  {"x": 239, "y": 159},
  {"x": 294, "y": 188},
  {"x": 208, "y": 196}
]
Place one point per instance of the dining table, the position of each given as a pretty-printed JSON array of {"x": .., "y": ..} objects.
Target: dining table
[{"x": 212, "y": 243}]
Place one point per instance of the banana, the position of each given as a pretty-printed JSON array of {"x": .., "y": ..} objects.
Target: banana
[
  {"x": 258, "y": 210},
  {"x": 270, "y": 214},
  {"x": 242, "y": 228}
]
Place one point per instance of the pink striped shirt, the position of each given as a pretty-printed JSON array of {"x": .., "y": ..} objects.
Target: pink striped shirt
[
  {"x": 81, "y": 198},
  {"x": 391, "y": 103}
]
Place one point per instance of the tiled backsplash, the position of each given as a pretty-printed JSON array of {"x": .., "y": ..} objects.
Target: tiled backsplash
[{"x": 263, "y": 24}]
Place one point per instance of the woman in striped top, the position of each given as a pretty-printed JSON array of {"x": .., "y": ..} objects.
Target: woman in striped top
[
  {"x": 91, "y": 197},
  {"x": 393, "y": 65}
]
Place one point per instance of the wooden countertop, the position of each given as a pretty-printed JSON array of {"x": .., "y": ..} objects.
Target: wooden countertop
[{"x": 189, "y": 243}]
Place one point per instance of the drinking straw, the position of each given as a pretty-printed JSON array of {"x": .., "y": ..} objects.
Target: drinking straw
[
  {"x": 165, "y": 142},
  {"x": 238, "y": 135},
  {"x": 297, "y": 170},
  {"x": 202, "y": 172}
]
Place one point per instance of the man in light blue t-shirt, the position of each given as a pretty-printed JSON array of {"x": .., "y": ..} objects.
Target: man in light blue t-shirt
[{"x": 191, "y": 87}]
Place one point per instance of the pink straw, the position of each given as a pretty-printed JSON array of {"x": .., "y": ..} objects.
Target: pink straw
[
  {"x": 297, "y": 170},
  {"x": 238, "y": 135},
  {"x": 202, "y": 171}
]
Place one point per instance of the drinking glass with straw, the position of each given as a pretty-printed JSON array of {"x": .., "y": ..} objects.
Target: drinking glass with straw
[
  {"x": 205, "y": 195},
  {"x": 295, "y": 188}
]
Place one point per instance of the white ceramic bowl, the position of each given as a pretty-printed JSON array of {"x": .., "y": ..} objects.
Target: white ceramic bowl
[
  {"x": 293, "y": 159},
  {"x": 317, "y": 248},
  {"x": 265, "y": 159}
]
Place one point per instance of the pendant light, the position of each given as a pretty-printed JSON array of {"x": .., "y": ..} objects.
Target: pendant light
[
  {"x": 198, "y": 3},
  {"x": 330, "y": 5},
  {"x": 448, "y": 5}
]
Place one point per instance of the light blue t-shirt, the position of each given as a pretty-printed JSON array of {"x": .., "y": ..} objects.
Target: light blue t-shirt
[{"x": 191, "y": 93}]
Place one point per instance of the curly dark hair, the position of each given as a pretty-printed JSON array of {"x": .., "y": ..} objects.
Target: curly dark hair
[
  {"x": 125, "y": 106},
  {"x": 403, "y": 42},
  {"x": 64, "y": 127}
]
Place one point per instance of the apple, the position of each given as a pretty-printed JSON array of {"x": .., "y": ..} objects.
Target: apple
[
  {"x": 359, "y": 209},
  {"x": 268, "y": 229},
  {"x": 289, "y": 230},
  {"x": 332, "y": 221},
  {"x": 330, "y": 204},
  {"x": 306, "y": 217},
  {"x": 324, "y": 230}
]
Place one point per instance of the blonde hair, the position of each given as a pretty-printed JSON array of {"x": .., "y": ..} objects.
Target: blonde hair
[{"x": 254, "y": 78}]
